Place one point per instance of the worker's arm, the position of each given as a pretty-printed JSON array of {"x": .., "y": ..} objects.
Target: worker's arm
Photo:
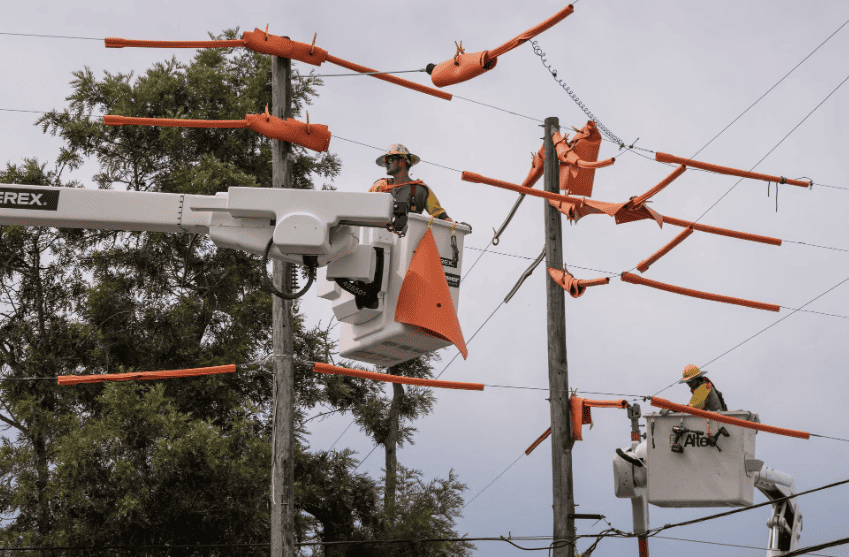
[
  {"x": 378, "y": 186},
  {"x": 434, "y": 208}
]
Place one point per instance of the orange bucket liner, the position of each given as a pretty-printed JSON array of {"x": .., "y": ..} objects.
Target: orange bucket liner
[
  {"x": 144, "y": 375},
  {"x": 335, "y": 370},
  {"x": 425, "y": 301}
]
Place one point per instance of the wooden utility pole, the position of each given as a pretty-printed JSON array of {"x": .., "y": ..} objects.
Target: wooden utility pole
[
  {"x": 558, "y": 369},
  {"x": 391, "y": 446},
  {"x": 283, "y": 343}
]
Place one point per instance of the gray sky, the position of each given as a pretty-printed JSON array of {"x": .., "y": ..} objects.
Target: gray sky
[{"x": 672, "y": 74}]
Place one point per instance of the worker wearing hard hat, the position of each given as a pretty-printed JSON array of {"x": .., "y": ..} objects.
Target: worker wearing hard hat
[
  {"x": 705, "y": 395},
  {"x": 398, "y": 161}
]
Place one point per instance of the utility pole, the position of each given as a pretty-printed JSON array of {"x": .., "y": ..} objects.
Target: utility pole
[
  {"x": 283, "y": 343},
  {"x": 558, "y": 369}
]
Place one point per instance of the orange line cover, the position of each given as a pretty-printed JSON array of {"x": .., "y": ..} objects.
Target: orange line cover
[
  {"x": 477, "y": 178},
  {"x": 311, "y": 136},
  {"x": 579, "y": 408},
  {"x": 722, "y": 231},
  {"x": 663, "y": 403},
  {"x": 335, "y": 370},
  {"x": 145, "y": 375},
  {"x": 644, "y": 264},
  {"x": 636, "y": 279},
  {"x": 665, "y": 157}
]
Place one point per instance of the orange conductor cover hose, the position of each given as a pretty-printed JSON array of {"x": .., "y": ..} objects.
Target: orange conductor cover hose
[
  {"x": 665, "y": 157},
  {"x": 722, "y": 231},
  {"x": 390, "y": 78},
  {"x": 663, "y": 403},
  {"x": 335, "y": 370},
  {"x": 573, "y": 286},
  {"x": 144, "y": 375},
  {"x": 531, "y": 33},
  {"x": 311, "y": 136},
  {"x": 256, "y": 40},
  {"x": 477, "y": 178},
  {"x": 636, "y": 279},
  {"x": 665, "y": 182},
  {"x": 579, "y": 409},
  {"x": 644, "y": 264},
  {"x": 539, "y": 440}
]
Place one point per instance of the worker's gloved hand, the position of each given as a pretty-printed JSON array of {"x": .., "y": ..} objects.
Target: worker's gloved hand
[{"x": 665, "y": 411}]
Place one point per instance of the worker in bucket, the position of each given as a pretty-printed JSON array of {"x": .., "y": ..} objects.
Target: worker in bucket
[
  {"x": 705, "y": 395},
  {"x": 416, "y": 193}
]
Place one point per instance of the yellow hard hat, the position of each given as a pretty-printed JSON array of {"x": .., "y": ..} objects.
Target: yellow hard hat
[
  {"x": 690, "y": 373},
  {"x": 397, "y": 149}
]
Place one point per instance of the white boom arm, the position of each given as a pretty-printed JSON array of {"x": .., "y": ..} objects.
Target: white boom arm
[
  {"x": 316, "y": 224},
  {"x": 785, "y": 524}
]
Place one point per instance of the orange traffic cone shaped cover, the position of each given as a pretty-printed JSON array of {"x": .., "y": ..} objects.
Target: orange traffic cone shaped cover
[
  {"x": 425, "y": 301},
  {"x": 583, "y": 147}
]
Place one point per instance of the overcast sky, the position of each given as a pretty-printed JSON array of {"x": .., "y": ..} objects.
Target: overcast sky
[{"x": 672, "y": 74}]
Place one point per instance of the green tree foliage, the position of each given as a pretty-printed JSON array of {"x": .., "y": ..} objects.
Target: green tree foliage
[{"x": 177, "y": 461}]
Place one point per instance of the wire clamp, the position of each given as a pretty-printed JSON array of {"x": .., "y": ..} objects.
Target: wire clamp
[
  {"x": 266, "y": 31},
  {"x": 460, "y": 51},
  {"x": 312, "y": 46},
  {"x": 267, "y": 115}
]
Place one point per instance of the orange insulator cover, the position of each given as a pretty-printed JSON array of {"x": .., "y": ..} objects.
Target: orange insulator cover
[
  {"x": 265, "y": 43},
  {"x": 311, "y": 136},
  {"x": 335, "y": 370},
  {"x": 658, "y": 402},
  {"x": 580, "y": 411},
  {"x": 537, "y": 168},
  {"x": 147, "y": 375},
  {"x": 584, "y": 146},
  {"x": 573, "y": 286},
  {"x": 425, "y": 301},
  {"x": 462, "y": 68}
]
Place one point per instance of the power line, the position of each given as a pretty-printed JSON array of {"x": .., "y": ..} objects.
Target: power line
[
  {"x": 727, "y": 544},
  {"x": 774, "y": 148},
  {"x": 53, "y": 36},
  {"x": 815, "y": 245},
  {"x": 770, "y": 89},
  {"x": 472, "y": 338},
  {"x": 492, "y": 482}
]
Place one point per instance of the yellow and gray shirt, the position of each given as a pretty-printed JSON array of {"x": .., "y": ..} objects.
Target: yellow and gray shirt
[
  {"x": 705, "y": 398},
  {"x": 416, "y": 193}
]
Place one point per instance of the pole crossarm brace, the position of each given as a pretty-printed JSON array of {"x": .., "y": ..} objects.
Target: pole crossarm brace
[{"x": 264, "y": 42}]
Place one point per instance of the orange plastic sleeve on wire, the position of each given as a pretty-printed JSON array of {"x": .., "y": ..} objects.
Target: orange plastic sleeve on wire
[
  {"x": 531, "y": 33},
  {"x": 665, "y": 157},
  {"x": 723, "y": 231},
  {"x": 110, "y": 120},
  {"x": 621, "y": 403},
  {"x": 114, "y": 42},
  {"x": 539, "y": 440},
  {"x": 663, "y": 403},
  {"x": 144, "y": 375},
  {"x": 644, "y": 264},
  {"x": 665, "y": 182},
  {"x": 635, "y": 279},
  {"x": 266, "y": 43},
  {"x": 390, "y": 78},
  {"x": 335, "y": 370},
  {"x": 597, "y": 164},
  {"x": 477, "y": 178}
]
